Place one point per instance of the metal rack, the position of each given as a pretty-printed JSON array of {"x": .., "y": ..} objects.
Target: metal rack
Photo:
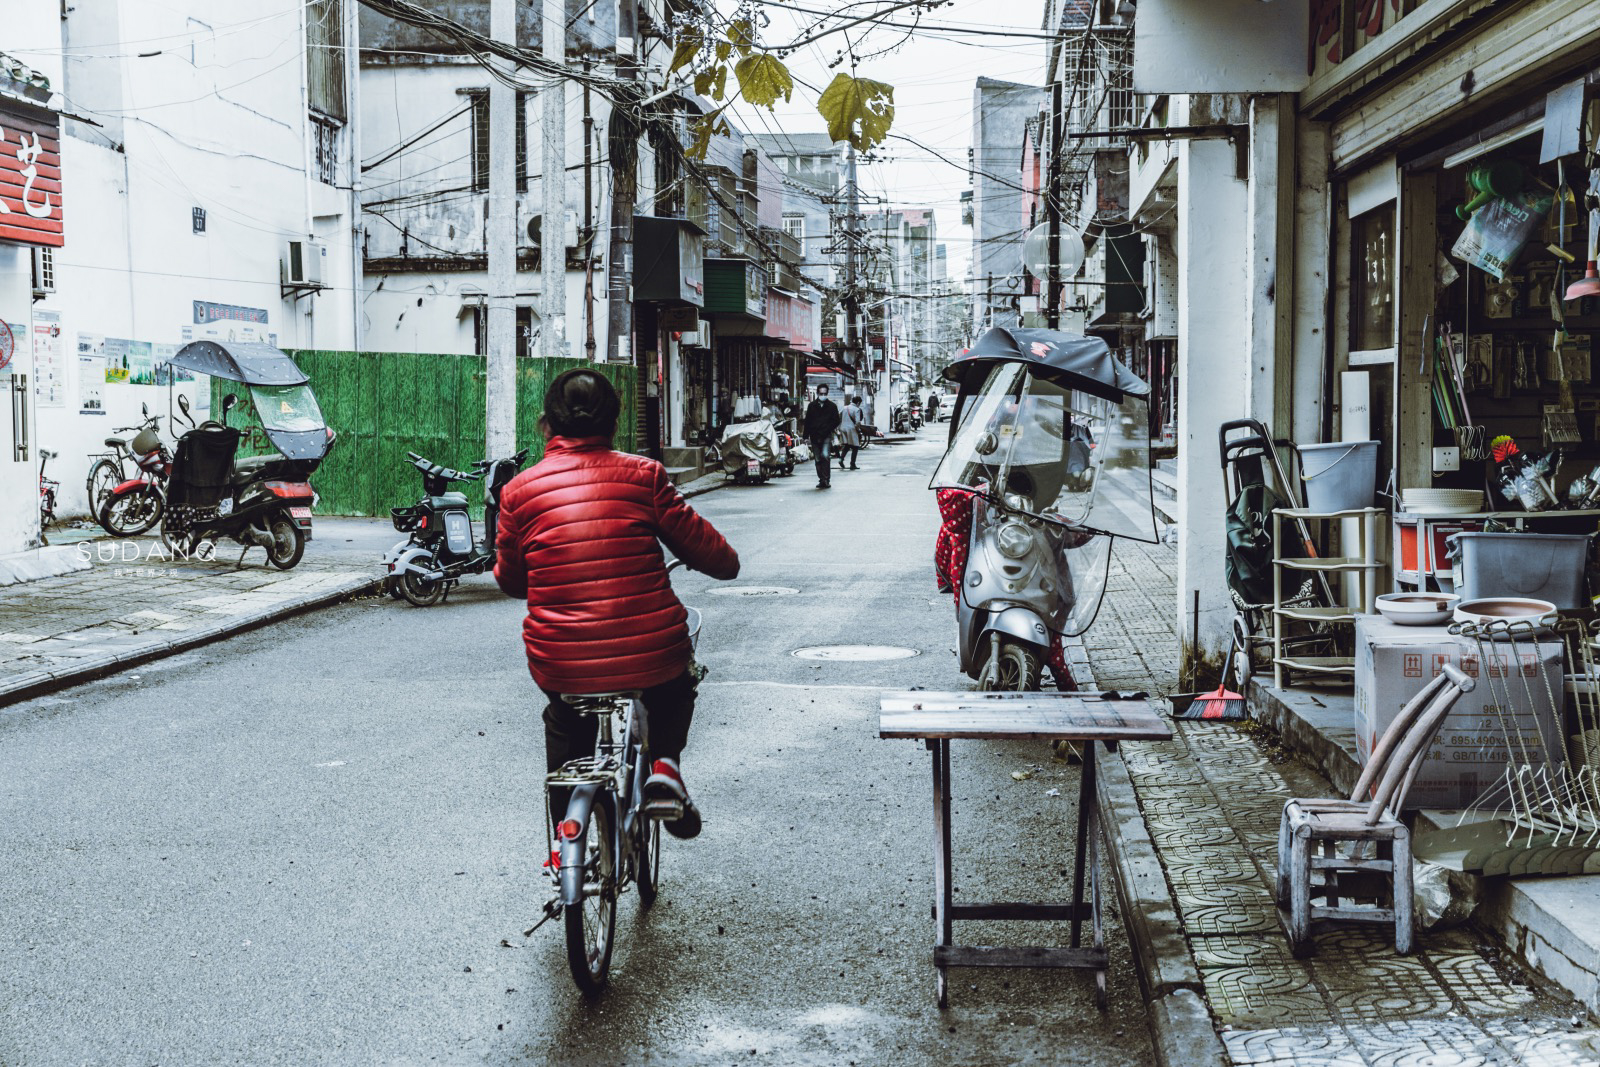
[{"x": 1364, "y": 566}]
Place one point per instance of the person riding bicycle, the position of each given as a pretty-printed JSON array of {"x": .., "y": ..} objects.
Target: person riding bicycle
[{"x": 580, "y": 540}]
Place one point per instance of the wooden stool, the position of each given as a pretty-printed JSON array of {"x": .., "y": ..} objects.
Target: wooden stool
[{"x": 1332, "y": 835}]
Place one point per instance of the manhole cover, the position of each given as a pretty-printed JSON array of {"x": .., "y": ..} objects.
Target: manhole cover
[
  {"x": 753, "y": 590},
  {"x": 855, "y": 652}
]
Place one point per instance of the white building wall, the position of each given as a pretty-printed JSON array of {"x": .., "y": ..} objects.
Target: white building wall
[
  {"x": 421, "y": 199},
  {"x": 217, "y": 120}
]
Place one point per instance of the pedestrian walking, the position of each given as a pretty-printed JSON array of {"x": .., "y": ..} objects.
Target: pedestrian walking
[
  {"x": 850, "y": 423},
  {"x": 821, "y": 419},
  {"x": 933, "y": 407}
]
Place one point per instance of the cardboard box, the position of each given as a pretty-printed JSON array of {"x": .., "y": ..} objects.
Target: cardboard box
[{"x": 1468, "y": 755}]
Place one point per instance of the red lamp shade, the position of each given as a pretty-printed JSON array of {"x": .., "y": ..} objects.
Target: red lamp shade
[{"x": 1588, "y": 285}]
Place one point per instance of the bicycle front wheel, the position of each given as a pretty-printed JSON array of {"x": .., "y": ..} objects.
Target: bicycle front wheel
[{"x": 592, "y": 922}]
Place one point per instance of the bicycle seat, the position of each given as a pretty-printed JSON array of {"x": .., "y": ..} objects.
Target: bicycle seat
[
  {"x": 598, "y": 703},
  {"x": 116, "y": 442}
]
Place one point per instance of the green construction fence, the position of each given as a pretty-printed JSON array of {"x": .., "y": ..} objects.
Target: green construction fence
[{"x": 385, "y": 404}]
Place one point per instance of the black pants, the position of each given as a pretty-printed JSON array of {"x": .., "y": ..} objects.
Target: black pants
[
  {"x": 848, "y": 450},
  {"x": 819, "y": 450},
  {"x": 669, "y": 707}
]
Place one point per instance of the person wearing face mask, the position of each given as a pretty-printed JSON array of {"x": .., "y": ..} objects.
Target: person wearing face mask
[{"x": 821, "y": 419}]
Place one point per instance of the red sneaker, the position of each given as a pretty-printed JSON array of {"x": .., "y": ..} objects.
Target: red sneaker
[{"x": 665, "y": 782}]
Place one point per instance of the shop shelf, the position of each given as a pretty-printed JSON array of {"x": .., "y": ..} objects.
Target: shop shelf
[
  {"x": 1330, "y": 563},
  {"x": 1308, "y": 614}
]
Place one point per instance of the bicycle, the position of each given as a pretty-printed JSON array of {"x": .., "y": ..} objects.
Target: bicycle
[
  {"x": 600, "y": 854},
  {"x": 110, "y": 469},
  {"x": 48, "y": 489}
]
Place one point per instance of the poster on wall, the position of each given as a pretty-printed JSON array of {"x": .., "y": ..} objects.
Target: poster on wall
[
  {"x": 141, "y": 368},
  {"x": 115, "y": 350},
  {"x": 49, "y": 369},
  {"x": 91, "y": 374},
  {"x": 160, "y": 355}
]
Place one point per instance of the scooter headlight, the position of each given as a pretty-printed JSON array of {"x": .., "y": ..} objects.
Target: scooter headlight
[{"x": 1013, "y": 539}]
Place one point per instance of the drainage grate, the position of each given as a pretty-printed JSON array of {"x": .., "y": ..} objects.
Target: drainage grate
[
  {"x": 855, "y": 652},
  {"x": 752, "y": 590}
]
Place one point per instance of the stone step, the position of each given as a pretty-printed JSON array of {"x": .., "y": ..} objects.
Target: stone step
[
  {"x": 679, "y": 475},
  {"x": 1170, "y": 466},
  {"x": 1164, "y": 482}
]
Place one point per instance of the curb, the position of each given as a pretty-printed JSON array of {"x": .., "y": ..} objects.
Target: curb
[
  {"x": 1180, "y": 1021},
  {"x": 36, "y": 683}
]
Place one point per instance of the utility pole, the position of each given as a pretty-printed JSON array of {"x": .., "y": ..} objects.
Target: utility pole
[
  {"x": 852, "y": 299},
  {"x": 622, "y": 148},
  {"x": 586, "y": 239},
  {"x": 500, "y": 386},
  {"x": 1053, "y": 210},
  {"x": 553, "y": 230}
]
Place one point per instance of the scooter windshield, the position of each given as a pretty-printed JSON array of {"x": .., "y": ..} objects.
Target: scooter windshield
[{"x": 1057, "y": 454}]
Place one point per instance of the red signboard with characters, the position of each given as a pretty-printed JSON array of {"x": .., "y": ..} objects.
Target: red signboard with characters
[{"x": 30, "y": 179}]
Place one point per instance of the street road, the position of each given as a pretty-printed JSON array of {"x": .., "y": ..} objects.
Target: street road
[{"x": 320, "y": 842}]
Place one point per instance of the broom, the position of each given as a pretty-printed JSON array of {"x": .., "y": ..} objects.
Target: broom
[{"x": 1219, "y": 705}]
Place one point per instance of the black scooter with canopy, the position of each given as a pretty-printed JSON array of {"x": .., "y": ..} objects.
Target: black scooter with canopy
[
  {"x": 1050, "y": 437},
  {"x": 256, "y": 500}
]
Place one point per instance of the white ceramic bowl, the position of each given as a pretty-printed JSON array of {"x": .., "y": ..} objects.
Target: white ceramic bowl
[
  {"x": 1506, "y": 609},
  {"x": 1417, "y": 609}
]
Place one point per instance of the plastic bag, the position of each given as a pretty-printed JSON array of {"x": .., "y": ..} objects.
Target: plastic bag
[{"x": 1443, "y": 898}]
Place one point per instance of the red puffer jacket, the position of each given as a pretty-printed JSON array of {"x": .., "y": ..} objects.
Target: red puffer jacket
[{"x": 578, "y": 538}]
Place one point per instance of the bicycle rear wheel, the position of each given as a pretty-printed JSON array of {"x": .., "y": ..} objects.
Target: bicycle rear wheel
[
  {"x": 591, "y": 923},
  {"x": 104, "y": 476},
  {"x": 649, "y": 865}
]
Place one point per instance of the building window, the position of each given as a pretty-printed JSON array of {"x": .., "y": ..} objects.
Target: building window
[
  {"x": 325, "y": 57},
  {"x": 480, "y": 140},
  {"x": 795, "y": 226},
  {"x": 44, "y": 269},
  {"x": 524, "y": 332},
  {"x": 325, "y": 159},
  {"x": 1372, "y": 277}
]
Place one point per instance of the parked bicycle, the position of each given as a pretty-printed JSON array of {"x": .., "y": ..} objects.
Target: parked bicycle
[
  {"x": 107, "y": 470},
  {"x": 48, "y": 490},
  {"x": 610, "y": 836}
]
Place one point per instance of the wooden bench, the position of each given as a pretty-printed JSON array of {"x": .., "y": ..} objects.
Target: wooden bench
[{"x": 939, "y": 718}]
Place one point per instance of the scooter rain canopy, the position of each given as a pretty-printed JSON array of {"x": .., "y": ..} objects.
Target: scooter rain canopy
[
  {"x": 1027, "y": 437},
  {"x": 249, "y": 362},
  {"x": 1074, "y": 360}
]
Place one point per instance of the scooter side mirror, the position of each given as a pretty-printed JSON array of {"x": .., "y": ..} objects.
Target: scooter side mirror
[
  {"x": 228, "y": 403},
  {"x": 986, "y": 444},
  {"x": 145, "y": 408},
  {"x": 183, "y": 403}
]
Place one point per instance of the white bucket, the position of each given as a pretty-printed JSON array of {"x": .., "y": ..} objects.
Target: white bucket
[{"x": 1340, "y": 476}]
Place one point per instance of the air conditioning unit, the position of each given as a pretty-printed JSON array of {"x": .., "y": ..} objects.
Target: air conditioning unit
[
  {"x": 302, "y": 265},
  {"x": 44, "y": 271}
]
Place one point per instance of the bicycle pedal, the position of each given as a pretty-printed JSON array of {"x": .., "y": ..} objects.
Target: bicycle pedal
[{"x": 662, "y": 809}]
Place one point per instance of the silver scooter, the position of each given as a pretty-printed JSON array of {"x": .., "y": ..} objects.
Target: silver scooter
[{"x": 1043, "y": 517}]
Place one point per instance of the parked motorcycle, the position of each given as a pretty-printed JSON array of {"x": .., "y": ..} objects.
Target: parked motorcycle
[
  {"x": 914, "y": 415},
  {"x": 440, "y": 547},
  {"x": 1039, "y": 540},
  {"x": 899, "y": 419},
  {"x": 134, "y": 505},
  {"x": 752, "y": 451},
  {"x": 259, "y": 501}
]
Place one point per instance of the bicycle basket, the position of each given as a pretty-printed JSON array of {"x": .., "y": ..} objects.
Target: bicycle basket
[{"x": 408, "y": 519}]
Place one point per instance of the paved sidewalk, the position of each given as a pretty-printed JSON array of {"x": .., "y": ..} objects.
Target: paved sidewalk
[
  {"x": 1211, "y": 799},
  {"x": 136, "y": 603}
]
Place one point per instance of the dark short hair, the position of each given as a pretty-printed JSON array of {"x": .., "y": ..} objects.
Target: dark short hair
[{"x": 582, "y": 403}]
